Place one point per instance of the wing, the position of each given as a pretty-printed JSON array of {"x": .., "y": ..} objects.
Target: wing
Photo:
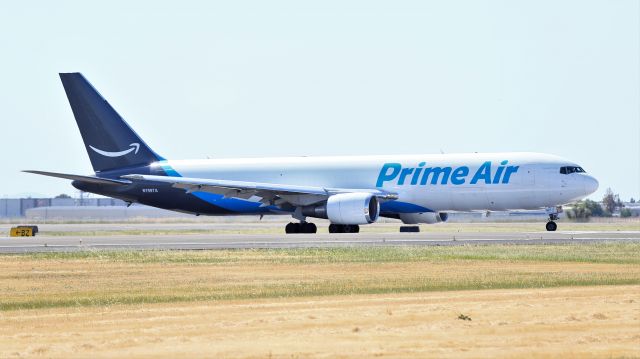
[
  {"x": 89, "y": 179},
  {"x": 269, "y": 193}
]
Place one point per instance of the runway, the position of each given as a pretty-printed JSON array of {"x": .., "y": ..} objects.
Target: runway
[{"x": 243, "y": 241}]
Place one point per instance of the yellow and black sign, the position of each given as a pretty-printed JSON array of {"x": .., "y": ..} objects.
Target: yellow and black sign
[{"x": 24, "y": 231}]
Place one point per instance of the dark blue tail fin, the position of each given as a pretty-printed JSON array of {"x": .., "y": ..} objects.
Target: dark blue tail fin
[{"x": 110, "y": 142}]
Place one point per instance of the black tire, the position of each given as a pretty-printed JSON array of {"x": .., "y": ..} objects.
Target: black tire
[
  {"x": 292, "y": 228},
  {"x": 350, "y": 228},
  {"x": 551, "y": 226},
  {"x": 309, "y": 227},
  {"x": 336, "y": 228}
]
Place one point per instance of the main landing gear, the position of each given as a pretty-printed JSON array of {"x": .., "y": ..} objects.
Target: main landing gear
[
  {"x": 306, "y": 227},
  {"x": 301, "y": 227},
  {"x": 344, "y": 228}
]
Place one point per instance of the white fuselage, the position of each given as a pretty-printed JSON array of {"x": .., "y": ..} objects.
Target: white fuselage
[{"x": 446, "y": 182}]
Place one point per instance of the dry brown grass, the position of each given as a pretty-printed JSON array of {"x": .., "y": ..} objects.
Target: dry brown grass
[
  {"x": 78, "y": 279},
  {"x": 343, "y": 302},
  {"x": 538, "y": 323}
]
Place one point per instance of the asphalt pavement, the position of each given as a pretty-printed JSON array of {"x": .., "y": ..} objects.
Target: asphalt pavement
[{"x": 44, "y": 243}]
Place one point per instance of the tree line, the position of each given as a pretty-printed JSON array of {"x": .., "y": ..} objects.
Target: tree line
[{"x": 583, "y": 210}]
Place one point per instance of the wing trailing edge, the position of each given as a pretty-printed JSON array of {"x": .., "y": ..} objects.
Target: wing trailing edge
[
  {"x": 88, "y": 179},
  {"x": 270, "y": 193}
]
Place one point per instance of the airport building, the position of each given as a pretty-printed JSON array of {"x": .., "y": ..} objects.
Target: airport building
[
  {"x": 78, "y": 209},
  {"x": 18, "y": 207}
]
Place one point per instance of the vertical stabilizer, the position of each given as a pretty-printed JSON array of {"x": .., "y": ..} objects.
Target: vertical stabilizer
[{"x": 109, "y": 140}]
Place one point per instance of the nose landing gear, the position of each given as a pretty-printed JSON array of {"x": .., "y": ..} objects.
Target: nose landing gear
[
  {"x": 553, "y": 216},
  {"x": 551, "y": 226}
]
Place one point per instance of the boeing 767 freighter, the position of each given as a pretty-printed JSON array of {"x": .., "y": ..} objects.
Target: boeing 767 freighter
[{"x": 348, "y": 191}]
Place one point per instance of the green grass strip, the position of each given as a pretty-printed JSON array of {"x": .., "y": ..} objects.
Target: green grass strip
[{"x": 612, "y": 252}]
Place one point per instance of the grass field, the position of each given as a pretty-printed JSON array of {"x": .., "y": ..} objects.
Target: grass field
[
  {"x": 125, "y": 277},
  {"x": 396, "y": 286}
]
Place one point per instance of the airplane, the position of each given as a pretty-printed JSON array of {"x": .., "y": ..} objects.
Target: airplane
[{"x": 349, "y": 191}]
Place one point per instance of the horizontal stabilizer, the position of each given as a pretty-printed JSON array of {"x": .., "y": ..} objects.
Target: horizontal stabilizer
[{"x": 88, "y": 179}]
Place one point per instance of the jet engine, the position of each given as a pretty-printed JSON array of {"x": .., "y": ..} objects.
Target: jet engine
[
  {"x": 347, "y": 208},
  {"x": 425, "y": 217}
]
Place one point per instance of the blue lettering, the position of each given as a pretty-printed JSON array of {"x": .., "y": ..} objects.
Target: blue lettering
[
  {"x": 459, "y": 175},
  {"x": 403, "y": 174},
  {"x": 436, "y": 172},
  {"x": 507, "y": 175},
  {"x": 384, "y": 176},
  {"x": 441, "y": 175},
  {"x": 416, "y": 173},
  {"x": 496, "y": 178},
  {"x": 484, "y": 172}
]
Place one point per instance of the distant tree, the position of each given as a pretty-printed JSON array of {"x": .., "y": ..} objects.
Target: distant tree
[
  {"x": 63, "y": 196},
  {"x": 632, "y": 200},
  {"x": 580, "y": 211},
  {"x": 625, "y": 212},
  {"x": 611, "y": 201},
  {"x": 619, "y": 203},
  {"x": 595, "y": 208}
]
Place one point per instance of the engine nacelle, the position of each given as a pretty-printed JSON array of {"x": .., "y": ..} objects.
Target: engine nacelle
[
  {"x": 347, "y": 208},
  {"x": 426, "y": 217},
  {"x": 353, "y": 208}
]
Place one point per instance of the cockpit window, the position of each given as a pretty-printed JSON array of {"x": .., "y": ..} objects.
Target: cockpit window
[{"x": 571, "y": 169}]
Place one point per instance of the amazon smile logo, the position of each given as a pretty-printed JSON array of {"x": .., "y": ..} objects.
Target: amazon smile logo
[{"x": 134, "y": 147}]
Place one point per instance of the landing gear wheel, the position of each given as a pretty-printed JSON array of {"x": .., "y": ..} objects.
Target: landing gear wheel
[
  {"x": 551, "y": 226},
  {"x": 303, "y": 227},
  {"x": 352, "y": 228},
  {"x": 308, "y": 227},
  {"x": 292, "y": 228},
  {"x": 344, "y": 228}
]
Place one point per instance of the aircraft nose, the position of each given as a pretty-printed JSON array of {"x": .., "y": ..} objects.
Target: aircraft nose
[{"x": 590, "y": 184}]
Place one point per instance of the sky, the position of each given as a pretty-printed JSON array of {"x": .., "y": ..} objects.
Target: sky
[{"x": 225, "y": 79}]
